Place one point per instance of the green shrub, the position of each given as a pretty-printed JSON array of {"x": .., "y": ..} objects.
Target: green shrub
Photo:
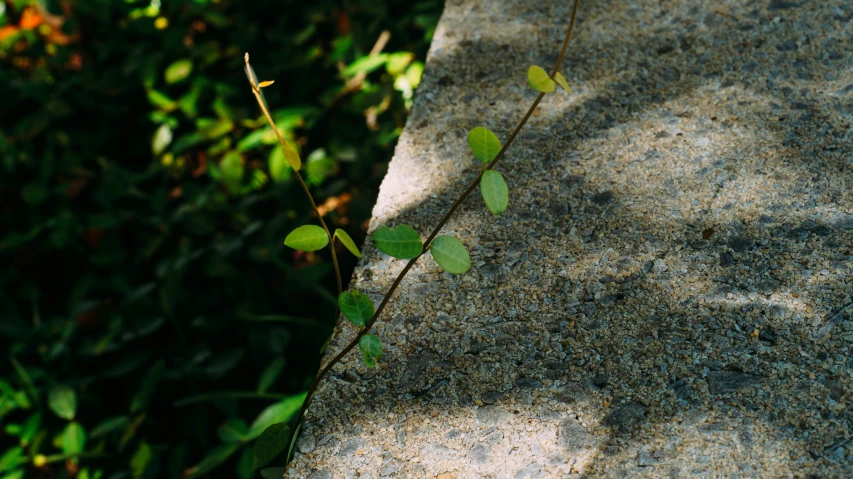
[{"x": 154, "y": 322}]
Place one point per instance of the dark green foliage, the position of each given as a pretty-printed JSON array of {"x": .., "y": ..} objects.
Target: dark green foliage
[{"x": 150, "y": 315}]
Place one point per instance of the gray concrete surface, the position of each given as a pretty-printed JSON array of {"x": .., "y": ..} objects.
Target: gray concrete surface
[{"x": 667, "y": 294}]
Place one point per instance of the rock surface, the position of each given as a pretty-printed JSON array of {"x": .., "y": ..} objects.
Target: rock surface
[{"x": 666, "y": 295}]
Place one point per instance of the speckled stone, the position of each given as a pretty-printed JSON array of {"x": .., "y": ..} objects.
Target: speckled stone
[{"x": 666, "y": 295}]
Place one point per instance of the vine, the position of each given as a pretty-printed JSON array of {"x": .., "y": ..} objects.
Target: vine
[{"x": 402, "y": 242}]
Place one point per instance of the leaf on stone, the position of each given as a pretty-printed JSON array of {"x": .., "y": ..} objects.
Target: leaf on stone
[
  {"x": 402, "y": 242},
  {"x": 307, "y": 238},
  {"x": 450, "y": 254},
  {"x": 561, "y": 80},
  {"x": 539, "y": 80},
  {"x": 356, "y": 307},
  {"x": 62, "y": 401},
  {"x": 348, "y": 242},
  {"x": 371, "y": 349},
  {"x": 272, "y": 442},
  {"x": 494, "y": 190},
  {"x": 178, "y": 70},
  {"x": 484, "y": 143}
]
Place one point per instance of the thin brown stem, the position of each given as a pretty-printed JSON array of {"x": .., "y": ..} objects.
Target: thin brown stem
[{"x": 444, "y": 219}]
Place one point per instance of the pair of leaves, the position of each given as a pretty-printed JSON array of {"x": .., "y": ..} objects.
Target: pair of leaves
[
  {"x": 403, "y": 242},
  {"x": 356, "y": 307},
  {"x": 539, "y": 80},
  {"x": 371, "y": 349},
  {"x": 312, "y": 238},
  {"x": 486, "y": 147}
]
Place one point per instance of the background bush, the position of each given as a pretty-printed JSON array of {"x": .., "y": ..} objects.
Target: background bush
[{"x": 152, "y": 320}]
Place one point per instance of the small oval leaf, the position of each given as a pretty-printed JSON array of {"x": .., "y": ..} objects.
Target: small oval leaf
[
  {"x": 561, "y": 80},
  {"x": 273, "y": 441},
  {"x": 371, "y": 349},
  {"x": 402, "y": 242},
  {"x": 73, "y": 439},
  {"x": 265, "y": 84},
  {"x": 178, "y": 70},
  {"x": 62, "y": 401},
  {"x": 494, "y": 190},
  {"x": 356, "y": 307},
  {"x": 307, "y": 238},
  {"x": 484, "y": 143},
  {"x": 450, "y": 254},
  {"x": 539, "y": 80},
  {"x": 348, "y": 242}
]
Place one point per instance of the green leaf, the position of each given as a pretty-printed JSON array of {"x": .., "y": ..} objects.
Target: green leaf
[
  {"x": 272, "y": 442},
  {"x": 365, "y": 64},
  {"x": 273, "y": 473},
  {"x": 148, "y": 386},
  {"x": 244, "y": 465},
  {"x": 307, "y": 238},
  {"x": 73, "y": 439},
  {"x": 539, "y": 80},
  {"x": 403, "y": 242},
  {"x": 561, "y": 80},
  {"x": 291, "y": 155},
  {"x": 280, "y": 169},
  {"x": 30, "y": 428},
  {"x": 281, "y": 411},
  {"x": 11, "y": 458},
  {"x": 162, "y": 138},
  {"x": 110, "y": 425},
  {"x": 140, "y": 460},
  {"x": 232, "y": 171},
  {"x": 357, "y": 307},
  {"x": 371, "y": 349},
  {"x": 270, "y": 374},
  {"x": 233, "y": 430},
  {"x": 213, "y": 459},
  {"x": 62, "y": 401},
  {"x": 494, "y": 190},
  {"x": 348, "y": 242},
  {"x": 178, "y": 71},
  {"x": 450, "y": 254},
  {"x": 484, "y": 143}
]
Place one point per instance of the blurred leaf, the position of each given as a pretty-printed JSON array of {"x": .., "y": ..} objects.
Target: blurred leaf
[
  {"x": 270, "y": 374},
  {"x": 30, "y": 428},
  {"x": 73, "y": 438},
  {"x": 232, "y": 172},
  {"x": 162, "y": 138},
  {"x": 11, "y": 458},
  {"x": 148, "y": 386},
  {"x": 273, "y": 473},
  {"x": 279, "y": 168},
  {"x": 107, "y": 426},
  {"x": 178, "y": 71},
  {"x": 365, "y": 64},
  {"x": 214, "y": 458},
  {"x": 62, "y": 401},
  {"x": 233, "y": 430},
  {"x": 140, "y": 460},
  {"x": 270, "y": 444}
]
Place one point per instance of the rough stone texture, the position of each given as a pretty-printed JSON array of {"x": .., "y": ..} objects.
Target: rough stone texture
[{"x": 666, "y": 294}]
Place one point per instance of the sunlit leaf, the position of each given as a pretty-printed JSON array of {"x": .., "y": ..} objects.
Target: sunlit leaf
[
  {"x": 162, "y": 138},
  {"x": 270, "y": 374},
  {"x": 307, "y": 238},
  {"x": 281, "y": 411},
  {"x": 450, "y": 254},
  {"x": 539, "y": 80},
  {"x": 365, "y": 64},
  {"x": 561, "y": 80},
  {"x": 280, "y": 169},
  {"x": 356, "y": 307},
  {"x": 484, "y": 143},
  {"x": 402, "y": 242},
  {"x": 495, "y": 191},
  {"x": 73, "y": 438},
  {"x": 273, "y": 441},
  {"x": 265, "y": 84},
  {"x": 178, "y": 70},
  {"x": 291, "y": 155},
  {"x": 62, "y": 401},
  {"x": 371, "y": 349},
  {"x": 348, "y": 242}
]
